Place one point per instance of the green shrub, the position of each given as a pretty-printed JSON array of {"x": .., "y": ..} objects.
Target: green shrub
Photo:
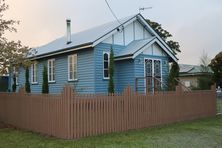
[
  {"x": 45, "y": 85},
  {"x": 27, "y": 84}
]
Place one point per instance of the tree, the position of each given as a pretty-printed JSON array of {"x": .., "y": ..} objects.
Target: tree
[
  {"x": 173, "y": 76},
  {"x": 11, "y": 53},
  {"x": 14, "y": 83},
  {"x": 205, "y": 81},
  {"x": 165, "y": 35},
  {"x": 27, "y": 84},
  {"x": 111, "y": 72},
  {"x": 45, "y": 85},
  {"x": 216, "y": 66},
  {"x": 204, "y": 63}
]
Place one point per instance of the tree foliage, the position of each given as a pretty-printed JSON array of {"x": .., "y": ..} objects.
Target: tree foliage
[
  {"x": 216, "y": 66},
  {"x": 173, "y": 76},
  {"x": 11, "y": 52},
  {"x": 45, "y": 85},
  {"x": 165, "y": 35},
  {"x": 111, "y": 72},
  {"x": 27, "y": 84},
  {"x": 205, "y": 81},
  {"x": 204, "y": 63}
]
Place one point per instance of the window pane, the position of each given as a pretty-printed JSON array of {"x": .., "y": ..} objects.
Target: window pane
[
  {"x": 53, "y": 77},
  {"x": 71, "y": 75},
  {"x": 70, "y": 68},
  {"x": 106, "y": 65},
  {"x": 50, "y": 77},
  {"x": 72, "y": 64},
  {"x": 70, "y": 60},
  {"x": 106, "y": 57},
  {"x": 106, "y": 74},
  {"x": 75, "y": 75}
]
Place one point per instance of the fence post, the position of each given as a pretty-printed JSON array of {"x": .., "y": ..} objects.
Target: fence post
[
  {"x": 213, "y": 88},
  {"x": 126, "y": 96},
  {"x": 67, "y": 96},
  {"x": 21, "y": 90},
  {"x": 179, "y": 89}
]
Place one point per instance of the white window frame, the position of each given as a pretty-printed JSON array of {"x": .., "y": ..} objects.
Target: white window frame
[
  {"x": 51, "y": 68},
  {"x": 108, "y": 64},
  {"x": 187, "y": 84},
  {"x": 34, "y": 73},
  {"x": 75, "y": 69}
]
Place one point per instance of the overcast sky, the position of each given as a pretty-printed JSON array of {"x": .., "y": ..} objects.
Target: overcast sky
[{"x": 195, "y": 24}]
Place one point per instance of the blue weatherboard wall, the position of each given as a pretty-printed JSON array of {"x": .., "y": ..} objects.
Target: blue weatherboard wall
[
  {"x": 126, "y": 75},
  {"x": 90, "y": 71},
  {"x": 101, "y": 85},
  {"x": 85, "y": 74},
  {"x": 125, "y": 70}
]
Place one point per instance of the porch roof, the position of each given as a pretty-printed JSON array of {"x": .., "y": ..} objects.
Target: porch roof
[{"x": 133, "y": 47}]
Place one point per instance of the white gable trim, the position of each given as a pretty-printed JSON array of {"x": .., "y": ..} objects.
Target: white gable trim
[
  {"x": 141, "y": 20},
  {"x": 167, "y": 49},
  {"x": 113, "y": 31},
  {"x": 149, "y": 44}
]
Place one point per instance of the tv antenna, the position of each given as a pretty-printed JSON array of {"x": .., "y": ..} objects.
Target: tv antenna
[{"x": 144, "y": 8}]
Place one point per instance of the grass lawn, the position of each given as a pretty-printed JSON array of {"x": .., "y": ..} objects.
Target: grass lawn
[{"x": 200, "y": 133}]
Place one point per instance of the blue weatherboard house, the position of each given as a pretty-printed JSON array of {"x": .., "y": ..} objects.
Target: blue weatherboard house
[{"x": 81, "y": 60}]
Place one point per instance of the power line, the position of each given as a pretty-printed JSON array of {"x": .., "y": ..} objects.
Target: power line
[{"x": 112, "y": 12}]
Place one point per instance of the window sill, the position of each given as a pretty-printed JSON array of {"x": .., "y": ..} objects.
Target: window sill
[
  {"x": 105, "y": 78},
  {"x": 50, "y": 82},
  {"x": 35, "y": 83},
  {"x": 75, "y": 80}
]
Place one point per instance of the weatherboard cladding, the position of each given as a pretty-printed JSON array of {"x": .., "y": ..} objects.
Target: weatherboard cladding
[
  {"x": 85, "y": 74},
  {"x": 101, "y": 84},
  {"x": 90, "y": 71},
  {"x": 125, "y": 74}
]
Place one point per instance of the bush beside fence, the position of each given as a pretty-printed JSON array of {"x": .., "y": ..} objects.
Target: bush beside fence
[{"x": 72, "y": 116}]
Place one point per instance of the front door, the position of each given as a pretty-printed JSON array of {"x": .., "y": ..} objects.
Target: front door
[{"x": 152, "y": 75}]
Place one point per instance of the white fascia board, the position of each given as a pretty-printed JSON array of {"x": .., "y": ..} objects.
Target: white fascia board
[
  {"x": 166, "y": 50},
  {"x": 160, "y": 44},
  {"x": 61, "y": 52},
  {"x": 123, "y": 58},
  {"x": 160, "y": 39},
  {"x": 113, "y": 31}
]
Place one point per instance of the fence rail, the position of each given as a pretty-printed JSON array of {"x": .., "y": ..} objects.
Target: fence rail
[{"x": 72, "y": 116}]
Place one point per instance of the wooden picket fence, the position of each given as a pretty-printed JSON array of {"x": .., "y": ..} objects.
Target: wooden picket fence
[{"x": 72, "y": 116}]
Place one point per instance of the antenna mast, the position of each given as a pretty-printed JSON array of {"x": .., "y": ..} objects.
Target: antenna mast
[{"x": 144, "y": 8}]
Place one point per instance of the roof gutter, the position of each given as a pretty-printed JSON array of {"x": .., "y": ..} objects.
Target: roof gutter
[{"x": 66, "y": 50}]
